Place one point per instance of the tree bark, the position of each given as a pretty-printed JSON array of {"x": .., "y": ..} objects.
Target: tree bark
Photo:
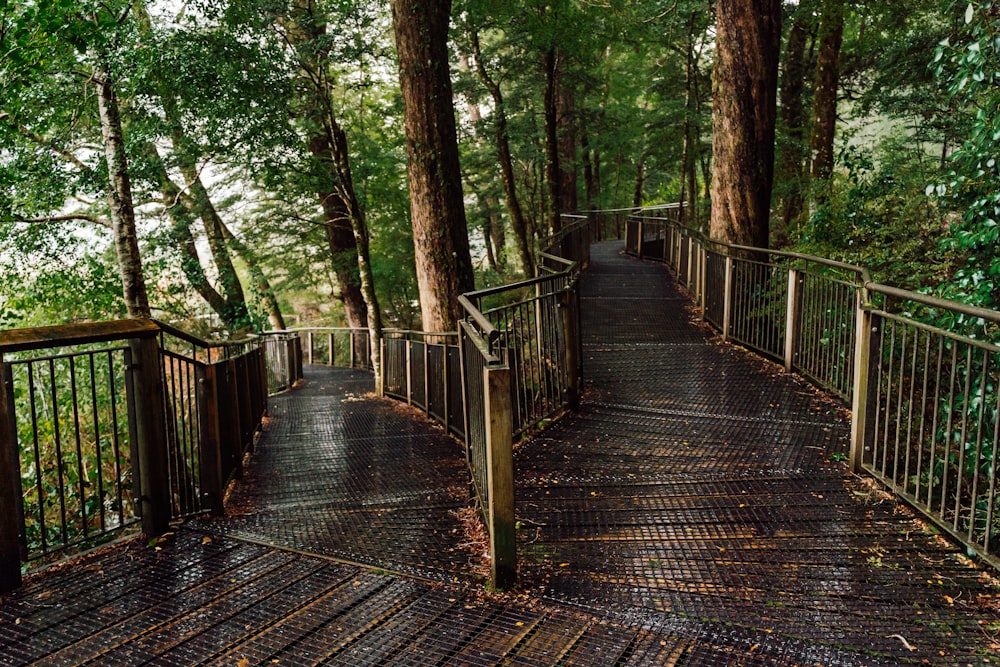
[
  {"x": 504, "y": 157},
  {"x": 745, "y": 81},
  {"x": 346, "y": 226},
  {"x": 792, "y": 155},
  {"x": 178, "y": 208},
  {"x": 831, "y": 36},
  {"x": 120, "y": 200},
  {"x": 554, "y": 203},
  {"x": 566, "y": 131},
  {"x": 440, "y": 234}
]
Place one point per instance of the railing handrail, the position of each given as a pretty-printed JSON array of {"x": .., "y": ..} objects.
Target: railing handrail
[
  {"x": 529, "y": 282},
  {"x": 200, "y": 342},
  {"x": 864, "y": 275},
  {"x": 83, "y": 333},
  {"x": 934, "y": 301},
  {"x": 486, "y": 328}
]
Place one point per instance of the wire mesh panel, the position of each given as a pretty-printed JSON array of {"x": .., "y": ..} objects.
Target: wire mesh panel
[
  {"x": 437, "y": 383},
  {"x": 932, "y": 433},
  {"x": 394, "y": 365},
  {"x": 826, "y": 332},
  {"x": 474, "y": 355},
  {"x": 456, "y": 399},
  {"x": 72, "y": 426},
  {"x": 184, "y": 438},
  {"x": 715, "y": 288},
  {"x": 532, "y": 333},
  {"x": 418, "y": 374},
  {"x": 759, "y": 304}
]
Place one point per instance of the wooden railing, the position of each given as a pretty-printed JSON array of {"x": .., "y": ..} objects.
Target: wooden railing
[{"x": 110, "y": 424}]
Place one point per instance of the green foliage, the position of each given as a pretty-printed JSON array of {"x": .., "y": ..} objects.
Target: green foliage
[
  {"x": 878, "y": 217},
  {"x": 971, "y": 67}
]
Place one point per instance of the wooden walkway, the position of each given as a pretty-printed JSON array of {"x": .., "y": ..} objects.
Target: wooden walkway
[{"x": 694, "y": 512}]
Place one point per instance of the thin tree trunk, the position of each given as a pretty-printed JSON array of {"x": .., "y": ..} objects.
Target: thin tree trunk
[
  {"x": 566, "y": 137},
  {"x": 791, "y": 158},
  {"x": 257, "y": 278},
  {"x": 517, "y": 221},
  {"x": 179, "y": 209},
  {"x": 554, "y": 204},
  {"x": 748, "y": 37},
  {"x": 306, "y": 34},
  {"x": 440, "y": 235},
  {"x": 825, "y": 100},
  {"x": 120, "y": 200}
]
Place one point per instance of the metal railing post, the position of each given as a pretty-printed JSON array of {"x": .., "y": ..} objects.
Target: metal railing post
[
  {"x": 11, "y": 506},
  {"x": 151, "y": 430},
  {"x": 309, "y": 346},
  {"x": 641, "y": 238},
  {"x": 727, "y": 298},
  {"x": 500, "y": 476},
  {"x": 792, "y": 311},
  {"x": 408, "y": 371},
  {"x": 865, "y": 334},
  {"x": 570, "y": 311}
]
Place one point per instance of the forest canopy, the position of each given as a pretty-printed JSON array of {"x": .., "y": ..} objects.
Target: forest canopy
[{"x": 244, "y": 164}]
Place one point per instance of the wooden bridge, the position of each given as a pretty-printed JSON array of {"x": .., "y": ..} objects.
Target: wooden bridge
[{"x": 698, "y": 508}]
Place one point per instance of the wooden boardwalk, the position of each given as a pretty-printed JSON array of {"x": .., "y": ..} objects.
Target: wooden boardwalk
[{"x": 694, "y": 512}]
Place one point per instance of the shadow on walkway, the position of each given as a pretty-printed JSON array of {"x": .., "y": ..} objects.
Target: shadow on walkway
[{"x": 694, "y": 512}]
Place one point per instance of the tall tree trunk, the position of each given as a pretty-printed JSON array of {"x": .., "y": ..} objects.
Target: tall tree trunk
[
  {"x": 440, "y": 235},
  {"x": 186, "y": 154},
  {"x": 640, "y": 181},
  {"x": 120, "y": 200},
  {"x": 566, "y": 131},
  {"x": 258, "y": 279},
  {"x": 346, "y": 226},
  {"x": 792, "y": 153},
  {"x": 831, "y": 36},
  {"x": 692, "y": 131},
  {"x": 745, "y": 81},
  {"x": 179, "y": 209},
  {"x": 306, "y": 35},
  {"x": 517, "y": 221},
  {"x": 554, "y": 203},
  {"x": 590, "y": 182}
]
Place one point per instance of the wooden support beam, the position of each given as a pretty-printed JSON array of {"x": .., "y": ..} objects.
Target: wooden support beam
[
  {"x": 10, "y": 488},
  {"x": 500, "y": 477}
]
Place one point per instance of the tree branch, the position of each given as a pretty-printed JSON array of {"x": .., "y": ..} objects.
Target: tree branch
[{"x": 100, "y": 222}]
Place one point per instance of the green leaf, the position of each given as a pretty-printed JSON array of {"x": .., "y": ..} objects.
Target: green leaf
[{"x": 970, "y": 12}]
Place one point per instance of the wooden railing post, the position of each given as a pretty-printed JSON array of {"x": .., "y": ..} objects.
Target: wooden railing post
[
  {"x": 570, "y": 310},
  {"x": 151, "y": 435},
  {"x": 11, "y": 507},
  {"x": 500, "y": 476},
  {"x": 793, "y": 310},
  {"x": 212, "y": 475}
]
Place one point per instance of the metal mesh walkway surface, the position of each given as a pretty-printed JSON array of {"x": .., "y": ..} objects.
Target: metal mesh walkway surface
[{"x": 695, "y": 511}]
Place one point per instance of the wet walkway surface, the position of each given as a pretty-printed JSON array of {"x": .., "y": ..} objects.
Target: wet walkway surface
[{"x": 694, "y": 512}]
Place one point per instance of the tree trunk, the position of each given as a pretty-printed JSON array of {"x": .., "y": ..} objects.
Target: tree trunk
[
  {"x": 345, "y": 225},
  {"x": 792, "y": 155},
  {"x": 517, "y": 221},
  {"x": 440, "y": 235},
  {"x": 590, "y": 183},
  {"x": 178, "y": 208},
  {"x": 748, "y": 38},
  {"x": 825, "y": 101},
  {"x": 640, "y": 181},
  {"x": 257, "y": 278},
  {"x": 566, "y": 130},
  {"x": 120, "y": 200},
  {"x": 554, "y": 204}
]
